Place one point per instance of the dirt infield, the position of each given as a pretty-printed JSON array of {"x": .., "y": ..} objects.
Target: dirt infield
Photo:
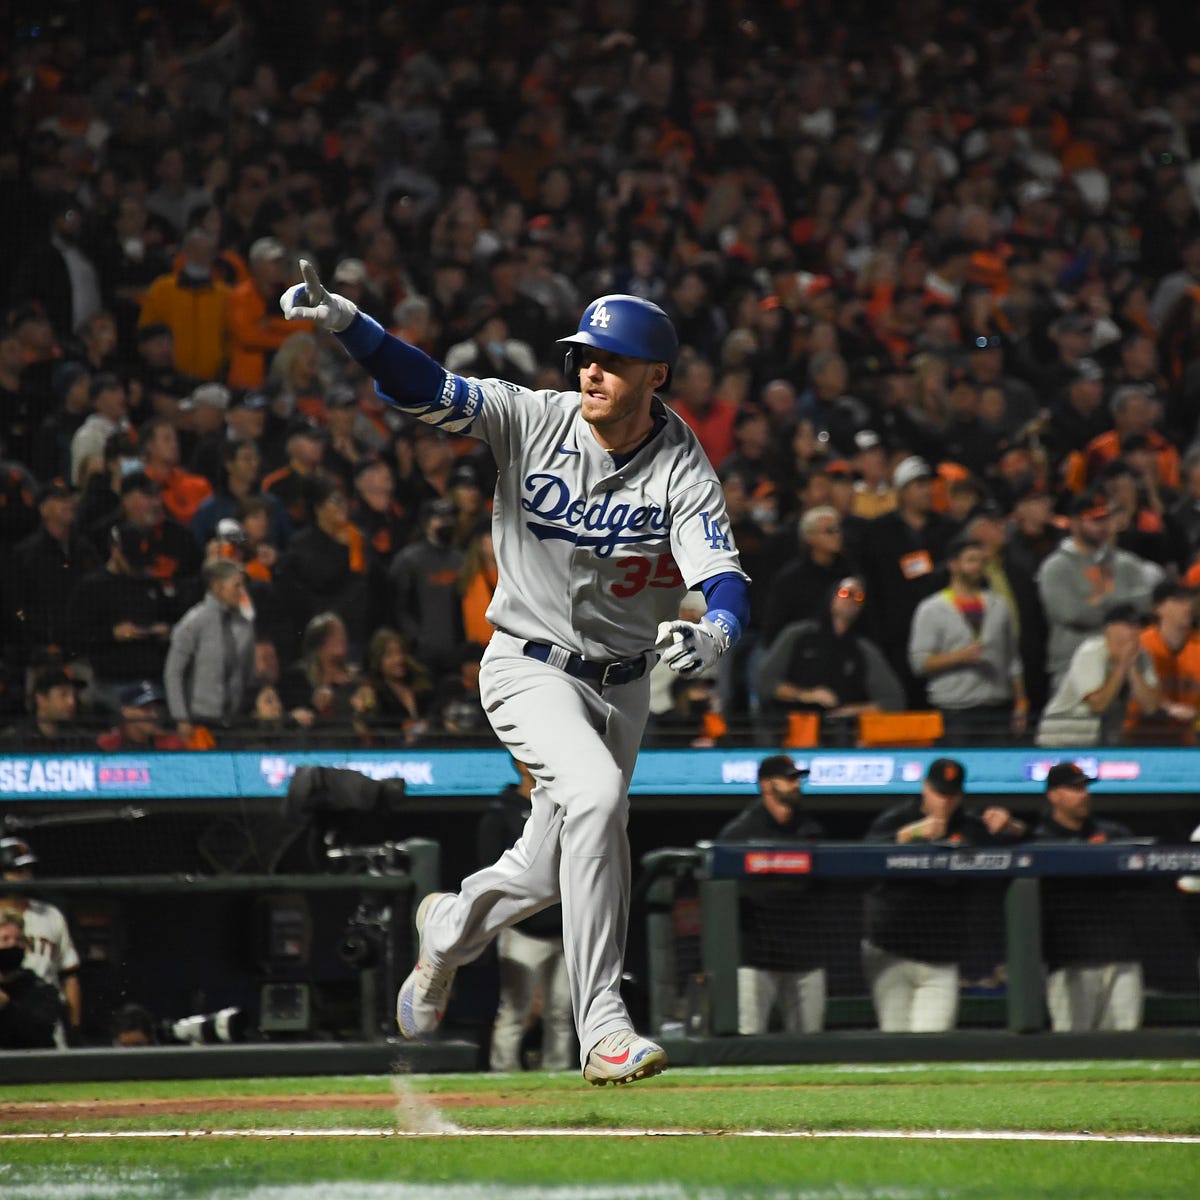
[{"x": 182, "y": 1106}]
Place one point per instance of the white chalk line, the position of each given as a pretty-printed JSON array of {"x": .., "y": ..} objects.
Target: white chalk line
[{"x": 944, "y": 1135}]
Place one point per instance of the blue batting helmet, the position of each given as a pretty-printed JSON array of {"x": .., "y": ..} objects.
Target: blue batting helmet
[{"x": 625, "y": 325}]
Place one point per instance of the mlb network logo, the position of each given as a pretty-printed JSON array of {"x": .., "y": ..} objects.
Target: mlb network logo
[{"x": 276, "y": 771}]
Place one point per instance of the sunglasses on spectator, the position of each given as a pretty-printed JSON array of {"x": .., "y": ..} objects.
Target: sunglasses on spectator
[{"x": 855, "y": 594}]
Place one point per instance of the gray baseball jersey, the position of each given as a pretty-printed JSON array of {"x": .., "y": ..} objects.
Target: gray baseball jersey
[{"x": 592, "y": 556}]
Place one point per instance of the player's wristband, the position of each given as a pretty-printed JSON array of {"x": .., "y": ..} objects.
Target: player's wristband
[
  {"x": 727, "y": 623},
  {"x": 362, "y": 336}
]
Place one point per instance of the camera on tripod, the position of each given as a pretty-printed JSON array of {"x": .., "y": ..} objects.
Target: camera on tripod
[
  {"x": 351, "y": 821},
  {"x": 364, "y": 940}
]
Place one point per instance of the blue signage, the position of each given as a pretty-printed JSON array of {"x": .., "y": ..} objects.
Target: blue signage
[{"x": 218, "y": 774}]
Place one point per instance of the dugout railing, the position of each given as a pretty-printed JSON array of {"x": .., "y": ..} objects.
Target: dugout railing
[{"x": 694, "y": 896}]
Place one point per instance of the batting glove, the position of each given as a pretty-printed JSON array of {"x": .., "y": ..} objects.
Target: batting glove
[
  {"x": 688, "y": 648},
  {"x": 311, "y": 301}
]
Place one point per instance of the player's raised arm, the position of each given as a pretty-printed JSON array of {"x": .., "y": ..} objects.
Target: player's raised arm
[{"x": 405, "y": 376}]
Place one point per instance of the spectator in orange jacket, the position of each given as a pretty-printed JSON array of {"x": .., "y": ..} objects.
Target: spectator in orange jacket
[
  {"x": 477, "y": 580},
  {"x": 1174, "y": 648},
  {"x": 256, "y": 327},
  {"x": 182, "y": 492},
  {"x": 1135, "y": 410},
  {"x": 193, "y": 302}
]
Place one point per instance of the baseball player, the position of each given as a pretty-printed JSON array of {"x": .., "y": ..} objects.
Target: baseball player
[
  {"x": 50, "y": 953},
  {"x": 1089, "y": 940},
  {"x": 781, "y": 923},
  {"x": 917, "y": 930},
  {"x": 606, "y": 511}
]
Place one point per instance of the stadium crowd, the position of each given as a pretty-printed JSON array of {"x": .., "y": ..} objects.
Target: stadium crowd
[{"x": 936, "y": 275}]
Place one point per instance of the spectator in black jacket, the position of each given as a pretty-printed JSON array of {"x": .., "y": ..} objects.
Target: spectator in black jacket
[
  {"x": 330, "y": 567},
  {"x": 52, "y": 725},
  {"x": 376, "y": 511},
  {"x": 784, "y": 931},
  {"x": 172, "y": 554},
  {"x": 532, "y": 963},
  {"x": 44, "y": 571},
  {"x": 30, "y": 1008},
  {"x": 319, "y": 685},
  {"x": 1032, "y": 537},
  {"x": 901, "y": 551},
  {"x": 120, "y": 616},
  {"x": 1094, "y": 978},
  {"x": 824, "y": 665},
  {"x": 916, "y": 930},
  {"x": 426, "y": 606},
  {"x": 798, "y": 591}
]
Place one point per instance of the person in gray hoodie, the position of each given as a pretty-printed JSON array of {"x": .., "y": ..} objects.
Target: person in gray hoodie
[
  {"x": 963, "y": 640},
  {"x": 1085, "y": 577}
]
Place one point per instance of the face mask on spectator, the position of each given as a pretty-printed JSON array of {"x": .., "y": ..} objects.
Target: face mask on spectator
[{"x": 11, "y": 958}]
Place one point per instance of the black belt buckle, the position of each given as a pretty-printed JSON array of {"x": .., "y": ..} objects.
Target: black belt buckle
[
  {"x": 624, "y": 671},
  {"x": 608, "y": 677}
]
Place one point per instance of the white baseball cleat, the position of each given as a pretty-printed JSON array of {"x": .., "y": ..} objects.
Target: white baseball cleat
[
  {"x": 421, "y": 1001},
  {"x": 622, "y": 1057}
]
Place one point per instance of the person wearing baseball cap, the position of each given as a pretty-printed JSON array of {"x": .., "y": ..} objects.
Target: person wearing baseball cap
[
  {"x": 1110, "y": 679},
  {"x": 55, "y": 703},
  {"x": 916, "y": 931},
  {"x": 1086, "y": 576},
  {"x": 900, "y": 554},
  {"x": 140, "y": 727},
  {"x": 785, "y": 928},
  {"x": 255, "y": 329},
  {"x": 45, "y": 567},
  {"x": 50, "y": 953},
  {"x": 1089, "y": 944},
  {"x": 874, "y": 492}
]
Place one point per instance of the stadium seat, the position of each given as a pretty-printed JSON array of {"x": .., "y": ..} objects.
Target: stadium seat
[{"x": 921, "y": 728}]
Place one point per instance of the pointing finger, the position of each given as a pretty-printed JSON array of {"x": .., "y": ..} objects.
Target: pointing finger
[{"x": 311, "y": 279}]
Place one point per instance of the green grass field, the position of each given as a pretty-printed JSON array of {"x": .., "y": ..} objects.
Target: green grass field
[{"x": 825, "y": 1133}]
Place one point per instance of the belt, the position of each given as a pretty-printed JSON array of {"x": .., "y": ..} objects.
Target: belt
[{"x": 603, "y": 674}]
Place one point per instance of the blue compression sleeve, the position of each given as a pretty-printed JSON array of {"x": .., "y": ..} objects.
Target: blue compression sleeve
[
  {"x": 728, "y": 599},
  {"x": 410, "y": 379},
  {"x": 406, "y": 375}
]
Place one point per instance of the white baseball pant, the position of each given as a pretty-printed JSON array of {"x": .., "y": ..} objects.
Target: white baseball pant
[
  {"x": 529, "y": 967},
  {"x": 1105, "y": 996},
  {"x": 911, "y": 996},
  {"x": 800, "y": 995},
  {"x": 581, "y": 746}
]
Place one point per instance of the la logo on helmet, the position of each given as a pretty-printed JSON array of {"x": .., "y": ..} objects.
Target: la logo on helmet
[{"x": 600, "y": 317}]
